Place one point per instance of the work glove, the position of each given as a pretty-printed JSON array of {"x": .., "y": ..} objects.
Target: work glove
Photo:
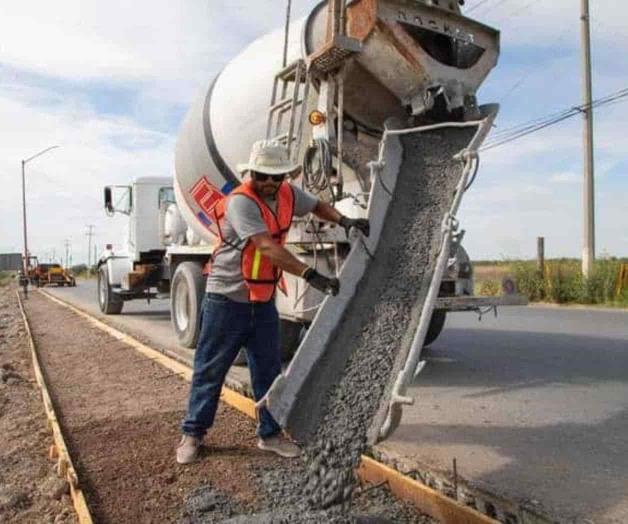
[
  {"x": 361, "y": 224},
  {"x": 329, "y": 286}
]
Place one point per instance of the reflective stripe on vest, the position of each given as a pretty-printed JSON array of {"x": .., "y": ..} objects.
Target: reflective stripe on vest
[
  {"x": 260, "y": 275},
  {"x": 257, "y": 260}
]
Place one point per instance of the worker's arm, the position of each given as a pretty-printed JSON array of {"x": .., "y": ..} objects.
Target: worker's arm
[
  {"x": 285, "y": 260},
  {"x": 278, "y": 254},
  {"x": 329, "y": 213}
]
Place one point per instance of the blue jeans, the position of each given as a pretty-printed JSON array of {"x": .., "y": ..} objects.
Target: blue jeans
[{"x": 227, "y": 326}]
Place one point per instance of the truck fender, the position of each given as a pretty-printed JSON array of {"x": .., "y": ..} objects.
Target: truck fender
[{"x": 117, "y": 268}]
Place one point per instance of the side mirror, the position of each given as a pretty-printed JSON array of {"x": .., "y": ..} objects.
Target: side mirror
[{"x": 108, "y": 201}]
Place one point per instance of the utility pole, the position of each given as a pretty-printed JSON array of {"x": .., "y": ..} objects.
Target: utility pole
[
  {"x": 67, "y": 253},
  {"x": 588, "y": 248},
  {"x": 89, "y": 234}
]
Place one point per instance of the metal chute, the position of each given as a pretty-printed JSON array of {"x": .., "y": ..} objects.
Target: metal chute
[{"x": 298, "y": 399}]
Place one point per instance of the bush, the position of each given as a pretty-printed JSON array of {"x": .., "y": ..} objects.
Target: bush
[
  {"x": 6, "y": 277},
  {"x": 490, "y": 288},
  {"x": 529, "y": 281},
  {"x": 600, "y": 288},
  {"x": 564, "y": 283}
]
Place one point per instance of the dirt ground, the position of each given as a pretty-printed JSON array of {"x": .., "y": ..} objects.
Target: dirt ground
[
  {"x": 30, "y": 491},
  {"x": 121, "y": 413}
]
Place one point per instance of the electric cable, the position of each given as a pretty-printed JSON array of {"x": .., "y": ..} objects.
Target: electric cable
[
  {"x": 317, "y": 167},
  {"x": 527, "y": 128}
]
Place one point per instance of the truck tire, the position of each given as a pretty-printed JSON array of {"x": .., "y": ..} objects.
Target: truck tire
[
  {"x": 436, "y": 326},
  {"x": 109, "y": 302},
  {"x": 186, "y": 297}
]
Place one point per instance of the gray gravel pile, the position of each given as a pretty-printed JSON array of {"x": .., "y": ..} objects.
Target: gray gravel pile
[{"x": 205, "y": 504}]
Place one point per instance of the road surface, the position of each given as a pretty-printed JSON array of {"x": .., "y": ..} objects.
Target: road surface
[{"x": 533, "y": 405}]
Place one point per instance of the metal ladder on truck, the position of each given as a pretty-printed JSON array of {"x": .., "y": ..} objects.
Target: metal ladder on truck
[
  {"x": 291, "y": 88},
  {"x": 287, "y": 116}
]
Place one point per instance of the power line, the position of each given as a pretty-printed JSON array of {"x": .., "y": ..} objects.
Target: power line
[
  {"x": 486, "y": 8},
  {"x": 533, "y": 126},
  {"x": 475, "y": 6}
]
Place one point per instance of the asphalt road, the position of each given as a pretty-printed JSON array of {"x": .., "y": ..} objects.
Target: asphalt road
[{"x": 533, "y": 405}]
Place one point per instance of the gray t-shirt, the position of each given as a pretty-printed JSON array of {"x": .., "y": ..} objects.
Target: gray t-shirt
[{"x": 243, "y": 220}]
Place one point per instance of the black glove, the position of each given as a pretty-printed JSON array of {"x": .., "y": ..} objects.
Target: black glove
[
  {"x": 329, "y": 286},
  {"x": 361, "y": 224}
]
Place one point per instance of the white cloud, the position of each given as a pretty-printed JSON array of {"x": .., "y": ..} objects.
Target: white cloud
[
  {"x": 64, "y": 187},
  {"x": 565, "y": 177}
]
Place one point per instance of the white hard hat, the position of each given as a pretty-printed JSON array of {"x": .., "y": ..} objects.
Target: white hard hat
[{"x": 269, "y": 157}]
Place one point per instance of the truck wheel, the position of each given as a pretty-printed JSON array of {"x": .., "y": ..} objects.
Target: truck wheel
[
  {"x": 186, "y": 296},
  {"x": 109, "y": 302},
  {"x": 436, "y": 326}
]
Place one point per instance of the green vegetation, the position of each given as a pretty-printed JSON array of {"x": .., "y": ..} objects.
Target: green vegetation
[
  {"x": 6, "y": 277},
  {"x": 82, "y": 271},
  {"x": 561, "y": 283}
]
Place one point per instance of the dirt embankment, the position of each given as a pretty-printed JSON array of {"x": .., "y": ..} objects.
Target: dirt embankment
[{"x": 30, "y": 491}]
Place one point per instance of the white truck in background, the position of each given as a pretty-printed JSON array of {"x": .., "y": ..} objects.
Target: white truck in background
[{"x": 329, "y": 101}]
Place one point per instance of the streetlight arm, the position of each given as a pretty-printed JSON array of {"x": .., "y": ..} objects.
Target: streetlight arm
[{"x": 39, "y": 154}]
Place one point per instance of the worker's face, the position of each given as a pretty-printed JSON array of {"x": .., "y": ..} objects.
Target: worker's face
[{"x": 267, "y": 185}]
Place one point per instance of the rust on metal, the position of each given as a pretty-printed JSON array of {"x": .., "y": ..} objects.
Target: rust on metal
[
  {"x": 361, "y": 19},
  {"x": 402, "y": 42}
]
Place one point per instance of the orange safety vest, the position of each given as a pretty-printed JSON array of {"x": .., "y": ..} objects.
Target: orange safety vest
[{"x": 260, "y": 275}]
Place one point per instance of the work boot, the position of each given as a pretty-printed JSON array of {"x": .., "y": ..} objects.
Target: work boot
[
  {"x": 280, "y": 445},
  {"x": 187, "y": 450}
]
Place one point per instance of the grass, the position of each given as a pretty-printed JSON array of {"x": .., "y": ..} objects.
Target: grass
[
  {"x": 6, "y": 277},
  {"x": 562, "y": 282}
]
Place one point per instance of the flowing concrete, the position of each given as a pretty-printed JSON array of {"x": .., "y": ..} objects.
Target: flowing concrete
[{"x": 533, "y": 404}]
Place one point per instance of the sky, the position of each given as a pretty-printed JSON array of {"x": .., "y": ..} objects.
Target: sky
[{"x": 110, "y": 82}]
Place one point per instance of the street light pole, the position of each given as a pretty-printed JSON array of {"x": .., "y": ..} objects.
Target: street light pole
[
  {"x": 24, "y": 162},
  {"x": 25, "y": 259}
]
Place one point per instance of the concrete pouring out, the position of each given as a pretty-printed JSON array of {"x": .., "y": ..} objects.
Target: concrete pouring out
[{"x": 363, "y": 352}]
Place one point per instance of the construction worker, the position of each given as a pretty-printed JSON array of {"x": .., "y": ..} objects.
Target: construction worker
[{"x": 239, "y": 309}]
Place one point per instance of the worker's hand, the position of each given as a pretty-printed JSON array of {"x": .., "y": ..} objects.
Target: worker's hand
[
  {"x": 361, "y": 224},
  {"x": 329, "y": 286}
]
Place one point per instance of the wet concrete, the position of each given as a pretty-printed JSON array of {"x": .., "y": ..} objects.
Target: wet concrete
[{"x": 380, "y": 320}]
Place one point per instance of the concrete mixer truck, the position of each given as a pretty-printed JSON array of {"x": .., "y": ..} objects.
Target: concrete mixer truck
[{"x": 329, "y": 87}]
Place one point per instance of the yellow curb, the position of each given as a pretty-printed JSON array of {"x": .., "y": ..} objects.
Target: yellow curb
[
  {"x": 59, "y": 450},
  {"x": 429, "y": 501},
  {"x": 426, "y": 500}
]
